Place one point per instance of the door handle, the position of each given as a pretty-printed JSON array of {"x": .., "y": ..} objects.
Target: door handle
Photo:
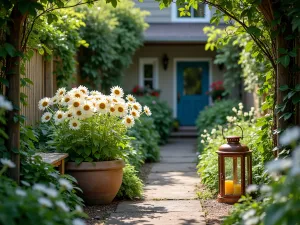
[{"x": 178, "y": 97}]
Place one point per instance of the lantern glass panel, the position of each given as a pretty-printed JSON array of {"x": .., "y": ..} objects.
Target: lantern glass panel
[{"x": 232, "y": 175}]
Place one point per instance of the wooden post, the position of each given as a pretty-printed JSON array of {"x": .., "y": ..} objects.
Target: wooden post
[
  {"x": 48, "y": 73},
  {"x": 14, "y": 37}
]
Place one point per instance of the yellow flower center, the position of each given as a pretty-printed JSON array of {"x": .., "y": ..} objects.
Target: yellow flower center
[
  {"x": 47, "y": 117},
  {"x": 74, "y": 124},
  {"x": 83, "y": 91},
  {"x": 77, "y": 95},
  {"x": 76, "y": 104},
  {"x": 79, "y": 113},
  {"x": 86, "y": 107},
  {"x": 112, "y": 109},
  {"x": 59, "y": 116},
  {"x": 135, "y": 107},
  {"x": 67, "y": 99},
  {"x": 70, "y": 115},
  {"x": 117, "y": 92},
  {"x": 133, "y": 113},
  {"x": 102, "y": 106},
  {"x": 45, "y": 104},
  {"x": 61, "y": 93},
  {"x": 115, "y": 100},
  {"x": 128, "y": 120},
  {"x": 120, "y": 109}
]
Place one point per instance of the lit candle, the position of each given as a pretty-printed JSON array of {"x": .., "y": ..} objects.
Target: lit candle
[
  {"x": 237, "y": 189},
  {"x": 228, "y": 187}
]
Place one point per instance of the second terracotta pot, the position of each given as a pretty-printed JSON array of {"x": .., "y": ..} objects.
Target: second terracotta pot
[{"x": 99, "y": 181}]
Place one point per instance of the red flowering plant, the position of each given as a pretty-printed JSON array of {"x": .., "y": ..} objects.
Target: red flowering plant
[
  {"x": 142, "y": 91},
  {"x": 217, "y": 91}
]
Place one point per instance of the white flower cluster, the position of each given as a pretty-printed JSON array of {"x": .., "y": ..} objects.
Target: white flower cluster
[
  {"x": 240, "y": 114},
  {"x": 79, "y": 104},
  {"x": 4, "y": 104}
]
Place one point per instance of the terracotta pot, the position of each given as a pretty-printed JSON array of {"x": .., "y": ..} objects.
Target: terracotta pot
[{"x": 99, "y": 181}]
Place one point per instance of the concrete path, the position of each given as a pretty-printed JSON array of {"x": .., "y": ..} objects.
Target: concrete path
[{"x": 170, "y": 197}]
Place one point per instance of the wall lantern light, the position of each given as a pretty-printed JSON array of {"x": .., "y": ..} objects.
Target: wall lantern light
[
  {"x": 235, "y": 169},
  {"x": 165, "y": 61}
]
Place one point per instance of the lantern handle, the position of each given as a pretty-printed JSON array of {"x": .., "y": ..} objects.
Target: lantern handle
[{"x": 237, "y": 126}]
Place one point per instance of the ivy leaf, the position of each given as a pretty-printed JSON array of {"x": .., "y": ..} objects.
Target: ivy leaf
[
  {"x": 297, "y": 88},
  {"x": 282, "y": 51},
  {"x": 10, "y": 49},
  {"x": 254, "y": 31},
  {"x": 284, "y": 87},
  {"x": 51, "y": 18},
  {"x": 4, "y": 81},
  {"x": 291, "y": 94},
  {"x": 78, "y": 160},
  {"x": 293, "y": 53},
  {"x": 296, "y": 100},
  {"x": 287, "y": 116},
  {"x": 284, "y": 60}
]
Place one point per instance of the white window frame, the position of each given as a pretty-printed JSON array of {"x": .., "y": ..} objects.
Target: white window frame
[
  {"x": 154, "y": 62},
  {"x": 205, "y": 19}
]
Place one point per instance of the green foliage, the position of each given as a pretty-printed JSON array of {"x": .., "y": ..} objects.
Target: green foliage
[
  {"x": 39, "y": 204},
  {"x": 132, "y": 186},
  {"x": 215, "y": 115},
  {"x": 113, "y": 35},
  {"x": 162, "y": 115},
  {"x": 146, "y": 138},
  {"x": 210, "y": 143},
  {"x": 99, "y": 138}
]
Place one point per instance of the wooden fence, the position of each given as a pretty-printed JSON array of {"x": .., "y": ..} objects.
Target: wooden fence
[{"x": 40, "y": 72}]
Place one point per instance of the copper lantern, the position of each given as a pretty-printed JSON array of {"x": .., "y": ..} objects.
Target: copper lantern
[{"x": 235, "y": 169}]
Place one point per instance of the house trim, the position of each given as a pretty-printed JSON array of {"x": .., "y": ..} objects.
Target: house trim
[
  {"x": 175, "y": 61},
  {"x": 174, "y": 17},
  {"x": 154, "y": 62}
]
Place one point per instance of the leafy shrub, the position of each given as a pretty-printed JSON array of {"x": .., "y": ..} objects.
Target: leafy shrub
[
  {"x": 146, "y": 138},
  {"x": 215, "y": 114},
  {"x": 39, "y": 204},
  {"x": 210, "y": 142},
  {"x": 132, "y": 186},
  {"x": 162, "y": 115},
  {"x": 278, "y": 202}
]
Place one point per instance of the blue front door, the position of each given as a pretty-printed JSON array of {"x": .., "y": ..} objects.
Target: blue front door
[{"x": 192, "y": 87}]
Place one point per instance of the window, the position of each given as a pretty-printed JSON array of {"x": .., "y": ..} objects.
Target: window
[
  {"x": 148, "y": 76},
  {"x": 202, "y": 14}
]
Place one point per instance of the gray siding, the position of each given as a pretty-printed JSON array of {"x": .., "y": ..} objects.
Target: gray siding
[{"x": 157, "y": 15}]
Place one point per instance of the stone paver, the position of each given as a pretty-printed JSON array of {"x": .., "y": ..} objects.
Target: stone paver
[{"x": 170, "y": 197}]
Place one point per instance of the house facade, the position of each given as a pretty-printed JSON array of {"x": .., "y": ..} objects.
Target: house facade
[{"x": 173, "y": 60}]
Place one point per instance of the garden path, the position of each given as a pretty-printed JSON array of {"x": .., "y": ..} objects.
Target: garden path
[{"x": 170, "y": 196}]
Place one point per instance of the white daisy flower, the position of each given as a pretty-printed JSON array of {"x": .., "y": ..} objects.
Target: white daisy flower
[
  {"x": 65, "y": 184},
  {"x": 117, "y": 91},
  {"x": 78, "y": 222},
  {"x": 121, "y": 110},
  {"x": 8, "y": 163},
  {"x": 69, "y": 114},
  {"x": 61, "y": 92},
  {"x": 46, "y": 117},
  {"x": 76, "y": 103},
  {"x": 136, "y": 114},
  {"x": 102, "y": 106},
  {"x": 252, "y": 188},
  {"x": 95, "y": 93},
  {"x": 40, "y": 187},
  {"x": 130, "y": 98},
  {"x": 83, "y": 89},
  {"x": 74, "y": 124},
  {"x": 128, "y": 121},
  {"x": 55, "y": 100},
  {"x": 147, "y": 111},
  {"x": 44, "y": 103},
  {"x": 62, "y": 205},
  {"x": 88, "y": 108},
  {"x": 234, "y": 109},
  {"x": 202, "y": 141},
  {"x": 136, "y": 106},
  {"x": 66, "y": 100},
  {"x": 246, "y": 114},
  {"x": 112, "y": 109},
  {"x": 21, "y": 192},
  {"x": 45, "y": 202},
  {"x": 59, "y": 116},
  {"x": 78, "y": 113},
  {"x": 78, "y": 208},
  {"x": 77, "y": 94}
]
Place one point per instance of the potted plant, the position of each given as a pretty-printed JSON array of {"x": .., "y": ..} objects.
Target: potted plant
[{"x": 91, "y": 127}]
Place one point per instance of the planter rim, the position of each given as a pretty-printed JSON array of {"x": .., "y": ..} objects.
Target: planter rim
[{"x": 94, "y": 166}]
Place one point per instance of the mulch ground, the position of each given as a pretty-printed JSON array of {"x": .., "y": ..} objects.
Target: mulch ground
[{"x": 98, "y": 214}]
